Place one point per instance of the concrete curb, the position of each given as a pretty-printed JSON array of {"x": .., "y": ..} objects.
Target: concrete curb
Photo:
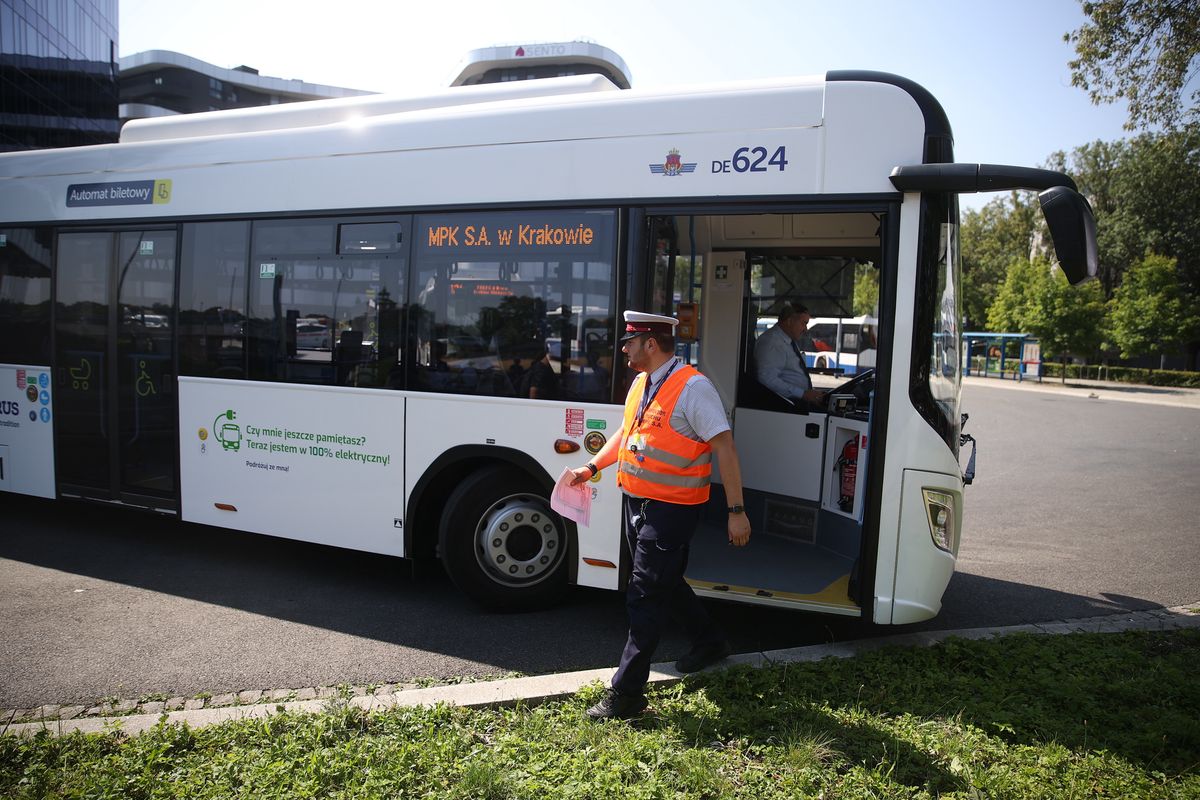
[
  {"x": 544, "y": 688},
  {"x": 1177, "y": 396}
]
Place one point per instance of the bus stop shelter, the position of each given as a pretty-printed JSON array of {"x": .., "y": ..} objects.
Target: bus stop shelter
[{"x": 994, "y": 357}]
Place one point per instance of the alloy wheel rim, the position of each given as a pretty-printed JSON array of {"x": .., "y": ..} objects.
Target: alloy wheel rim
[{"x": 518, "y": 541}]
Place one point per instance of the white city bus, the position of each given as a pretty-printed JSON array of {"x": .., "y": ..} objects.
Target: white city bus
[
  {"x": 841, "y": 343},
  {"x": 342, "y": 292}
]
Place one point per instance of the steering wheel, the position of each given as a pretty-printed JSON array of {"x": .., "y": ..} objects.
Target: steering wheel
[{"x": 860, "y": 386}]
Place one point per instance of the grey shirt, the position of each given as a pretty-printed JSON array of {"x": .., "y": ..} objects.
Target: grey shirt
[{"x": 778, "y": 366}]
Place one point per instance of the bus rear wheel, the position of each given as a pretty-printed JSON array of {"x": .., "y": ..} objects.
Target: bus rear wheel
[{"x": 501, "y": 543}]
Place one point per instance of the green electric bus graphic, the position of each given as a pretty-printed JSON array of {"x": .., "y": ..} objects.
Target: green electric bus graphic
[{"x": 226, "y": 432}]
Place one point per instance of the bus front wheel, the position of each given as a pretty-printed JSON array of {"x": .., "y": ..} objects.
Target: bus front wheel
[{"x": 501, "y": 543}]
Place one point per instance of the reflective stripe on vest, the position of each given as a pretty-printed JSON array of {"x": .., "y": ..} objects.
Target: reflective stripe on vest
[{"x": 668, "y": 466}]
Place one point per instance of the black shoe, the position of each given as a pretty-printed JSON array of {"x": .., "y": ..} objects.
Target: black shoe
[
  {"x": 703, "y": 656},
  {"x": 618, "y": 706}
]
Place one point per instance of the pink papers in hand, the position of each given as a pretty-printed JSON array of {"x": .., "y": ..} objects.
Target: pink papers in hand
[{"x": 573, "y": 502}]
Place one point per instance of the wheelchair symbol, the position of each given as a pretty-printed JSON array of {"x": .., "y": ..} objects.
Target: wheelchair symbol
[{"x": 145, "y": 384}]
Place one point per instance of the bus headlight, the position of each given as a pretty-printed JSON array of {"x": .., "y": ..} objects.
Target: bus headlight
[{"x": 939, "y": 510}]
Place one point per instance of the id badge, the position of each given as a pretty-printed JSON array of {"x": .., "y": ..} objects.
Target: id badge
[{"x": 636, "y": 442}]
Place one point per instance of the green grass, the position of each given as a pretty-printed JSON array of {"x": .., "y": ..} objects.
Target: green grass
[{"x": 1081, "y": 716}]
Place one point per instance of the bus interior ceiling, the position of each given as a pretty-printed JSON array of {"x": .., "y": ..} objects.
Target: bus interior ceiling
[{"x": 807, "y": 539}]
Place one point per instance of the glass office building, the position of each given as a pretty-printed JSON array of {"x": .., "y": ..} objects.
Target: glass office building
[{"x": 58, "y": 73}]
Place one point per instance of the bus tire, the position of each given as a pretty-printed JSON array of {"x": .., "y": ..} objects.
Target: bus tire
[{"x": 500, "y": 542}]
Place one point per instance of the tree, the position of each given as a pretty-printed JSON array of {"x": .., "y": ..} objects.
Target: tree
[
  {"x": 866, "y": 290},
  {"x": 1101, "y": 170},
  {"x": 1037, "y": 299},
  {"x": 1144, "y": 51},
  {"x": 1160, "y": 187},
  {"x": 1152, "y": 314},
  {"x": 1146, "y": 195},
  {"x": 1068, "y": 320},
  {"x": 992, "y": 237},
  {"x": 1017, "y": 300}
]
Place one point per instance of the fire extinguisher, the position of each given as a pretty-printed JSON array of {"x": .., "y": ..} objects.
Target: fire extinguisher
[{"x": 847, "y": 465}]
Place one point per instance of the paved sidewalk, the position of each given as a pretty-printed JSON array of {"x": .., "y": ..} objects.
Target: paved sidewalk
[
  {"x": 534, "y": 690},
  {"x": 1097, "y": 390}
]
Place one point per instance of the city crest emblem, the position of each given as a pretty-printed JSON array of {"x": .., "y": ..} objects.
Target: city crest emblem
[{"x": 673, "y": 165}]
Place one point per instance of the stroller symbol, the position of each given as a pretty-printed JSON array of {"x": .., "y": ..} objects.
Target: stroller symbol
[{"x": 81, "y": 375}]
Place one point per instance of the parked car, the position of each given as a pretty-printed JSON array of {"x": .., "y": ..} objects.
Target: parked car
[{"x": 312, "y": 335}]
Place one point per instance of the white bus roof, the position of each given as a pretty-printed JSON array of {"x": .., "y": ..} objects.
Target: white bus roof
[
  {"x": 290, "y": 116},
  {"x": 560, "y": 140}
]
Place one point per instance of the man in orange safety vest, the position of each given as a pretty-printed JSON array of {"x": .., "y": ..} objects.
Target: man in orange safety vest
[{"x": 674, "y": 422}]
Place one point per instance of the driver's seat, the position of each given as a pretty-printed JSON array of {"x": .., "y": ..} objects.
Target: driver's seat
[{"x": 752, "y": 394}]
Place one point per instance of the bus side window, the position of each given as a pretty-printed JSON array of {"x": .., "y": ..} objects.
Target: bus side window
[
  {"x": 495, "y": 293},
  {"x": 25, "y": 295},
  {"x": 212, "y": 299},
  {"x": 323, "y": 305}
]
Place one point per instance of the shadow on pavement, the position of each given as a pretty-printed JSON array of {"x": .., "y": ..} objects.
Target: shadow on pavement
[{"x": 396, "y": 601}]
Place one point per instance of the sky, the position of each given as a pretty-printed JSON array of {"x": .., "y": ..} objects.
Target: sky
[{"x": 998, "y": 68}]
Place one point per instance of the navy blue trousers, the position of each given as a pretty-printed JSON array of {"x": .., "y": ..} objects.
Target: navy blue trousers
[{"x": 658, "y": 536}]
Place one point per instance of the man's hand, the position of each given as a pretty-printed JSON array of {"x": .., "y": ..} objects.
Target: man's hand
[
  {"x": 580, "y": 474},
  {"x": 739, "y": 529},
  {"x": 815, "y": 396}
]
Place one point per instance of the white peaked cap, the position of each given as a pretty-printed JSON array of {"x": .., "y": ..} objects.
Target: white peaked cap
[
  {"x": 639, "y": 322},
  {"x": 643, "y": 317}
]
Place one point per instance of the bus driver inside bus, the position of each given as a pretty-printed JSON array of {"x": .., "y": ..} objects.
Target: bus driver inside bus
[{"x": 779, "y": 362}]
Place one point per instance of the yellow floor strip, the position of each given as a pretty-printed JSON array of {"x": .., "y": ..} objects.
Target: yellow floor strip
[{"x": 835, "y": 594}]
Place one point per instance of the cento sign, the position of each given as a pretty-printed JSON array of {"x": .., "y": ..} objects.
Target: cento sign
[{"x": 541, "y": 50}]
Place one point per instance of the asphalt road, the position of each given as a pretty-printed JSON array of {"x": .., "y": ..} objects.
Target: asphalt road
[{"x": 1080, "y": 507}]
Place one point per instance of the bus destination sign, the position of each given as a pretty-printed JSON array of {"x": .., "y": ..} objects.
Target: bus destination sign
[{"x": 522, "y": 233}]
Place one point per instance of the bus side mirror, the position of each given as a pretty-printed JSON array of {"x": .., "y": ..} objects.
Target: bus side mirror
[
  {"x": 1073, "y": 229},
  {"x": 1067, "y": 213}
]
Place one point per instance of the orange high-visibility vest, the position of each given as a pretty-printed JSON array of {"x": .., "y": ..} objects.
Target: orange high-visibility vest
[{"x": 667, "y": 465}]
